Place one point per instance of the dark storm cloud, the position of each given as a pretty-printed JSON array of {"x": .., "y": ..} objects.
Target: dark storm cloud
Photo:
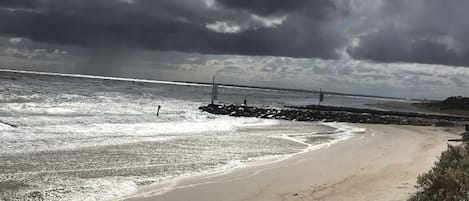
[
  {"x": 421, "y": 31},
  {"x": 267, "y": 7},
  {"x": 96, "y": 23},
  {"x": 315, "y": 10},
  {"x": 179, "y": 25},
  {"x": 390, "y": 45},
  {"x": 19, "y": 4}
]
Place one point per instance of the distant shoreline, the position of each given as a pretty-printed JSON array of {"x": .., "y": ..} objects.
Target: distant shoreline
[{"x": 203, "y": 84}]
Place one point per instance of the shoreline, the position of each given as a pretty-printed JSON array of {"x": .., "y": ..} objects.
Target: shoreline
[
  {"x": 167, "y": 185},
  {"x": 380, "y": 164}
]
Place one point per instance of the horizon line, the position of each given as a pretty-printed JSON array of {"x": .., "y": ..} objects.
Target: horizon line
[{"x": 190, "y": 83}]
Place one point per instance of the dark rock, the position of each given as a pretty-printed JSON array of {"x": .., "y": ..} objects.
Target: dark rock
[{"x": 328, "y": 115}]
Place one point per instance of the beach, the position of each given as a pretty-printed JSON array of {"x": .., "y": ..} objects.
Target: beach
[
  {"x": 87, "y": 138},
  {"x": 84, "y": 138},
  {"x": 381, "y": 164}
]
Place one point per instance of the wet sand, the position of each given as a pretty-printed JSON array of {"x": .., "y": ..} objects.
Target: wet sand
[{"x": 381, "y": 164}]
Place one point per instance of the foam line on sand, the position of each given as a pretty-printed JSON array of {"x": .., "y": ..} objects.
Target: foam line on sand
[{"x": 381, "y": 164}]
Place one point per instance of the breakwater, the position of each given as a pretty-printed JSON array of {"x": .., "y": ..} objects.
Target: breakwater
[{"x": 335, "y": 114}]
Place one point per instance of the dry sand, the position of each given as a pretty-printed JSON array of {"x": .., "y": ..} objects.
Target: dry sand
[{"x": 381, "y": 164}]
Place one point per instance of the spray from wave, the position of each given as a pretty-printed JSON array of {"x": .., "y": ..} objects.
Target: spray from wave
[{"x": 82, "y": 138}]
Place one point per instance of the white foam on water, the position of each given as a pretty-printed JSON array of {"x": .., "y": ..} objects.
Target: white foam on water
[
  {"x": 76, "y": 114},
  {"x": 172, "y": 183},
  {"x": 123, "y": 188},
  {"x": 343, "y": 132},
  {"x": 5, "y": 127},
  {"x": 346, "y": 130},
  {"x": 68, "y": 137},
  {"x": 93, "y": 189},
  {"x": 59, "y": 110}
]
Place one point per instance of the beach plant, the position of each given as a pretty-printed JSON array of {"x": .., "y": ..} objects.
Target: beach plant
[{"x": 448, "y": 180}]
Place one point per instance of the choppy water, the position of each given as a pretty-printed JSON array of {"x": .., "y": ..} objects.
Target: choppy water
[{"x": 97, "y": 139}]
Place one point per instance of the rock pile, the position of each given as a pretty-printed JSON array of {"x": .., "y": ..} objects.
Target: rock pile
[{"x": 326, "y": 115}]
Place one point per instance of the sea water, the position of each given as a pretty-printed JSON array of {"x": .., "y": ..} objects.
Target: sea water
[{"x": 90, "y": 138}]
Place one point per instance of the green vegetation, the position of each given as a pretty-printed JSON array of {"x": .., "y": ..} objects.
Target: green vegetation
[
  {"x": 448, "y": 180},
  {"x": 455, "y": 105},
  {"x": 455, "y": 102}
]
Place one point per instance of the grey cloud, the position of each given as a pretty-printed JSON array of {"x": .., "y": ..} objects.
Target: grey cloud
[
  {"x": 175, "y": 25},
  {"x": 231, "y": 69},
  {"x": 458, "y": 81},
  {"x": 322, "y": 70},
  {"x": 420, "y": 31},
  {"x": 318, "y": 8},
  {"x": 19, "y": 4},
  {"x": 391, "y": 45}
]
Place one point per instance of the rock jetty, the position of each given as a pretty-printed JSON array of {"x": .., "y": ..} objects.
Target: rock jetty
[{"x": 328, "y": 114}]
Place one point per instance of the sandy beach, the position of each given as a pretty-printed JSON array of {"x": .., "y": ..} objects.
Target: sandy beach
[{"x": 381, "y": 164}]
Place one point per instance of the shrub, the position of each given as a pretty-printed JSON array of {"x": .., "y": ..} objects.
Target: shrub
[{"x": 448, "y": 180}]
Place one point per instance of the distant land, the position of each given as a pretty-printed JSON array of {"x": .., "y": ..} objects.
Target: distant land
[
  {"x": 456, "y": 105},
  {"x": 208, "y": 84},
  {"x": 306, "y": 91}
]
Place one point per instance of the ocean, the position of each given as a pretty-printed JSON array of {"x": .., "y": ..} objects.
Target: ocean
[{"x": 97, "y": 138}]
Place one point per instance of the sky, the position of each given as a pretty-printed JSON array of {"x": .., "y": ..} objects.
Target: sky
[{"x": 416, "y": 49}]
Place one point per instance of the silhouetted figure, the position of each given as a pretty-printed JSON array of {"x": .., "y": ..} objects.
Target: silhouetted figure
[
  {"x": 245, "y": 102},
  {"x": 158, "y": 111}
]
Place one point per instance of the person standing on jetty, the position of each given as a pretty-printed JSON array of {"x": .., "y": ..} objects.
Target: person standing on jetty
[{"x": 158, "y": 110}]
